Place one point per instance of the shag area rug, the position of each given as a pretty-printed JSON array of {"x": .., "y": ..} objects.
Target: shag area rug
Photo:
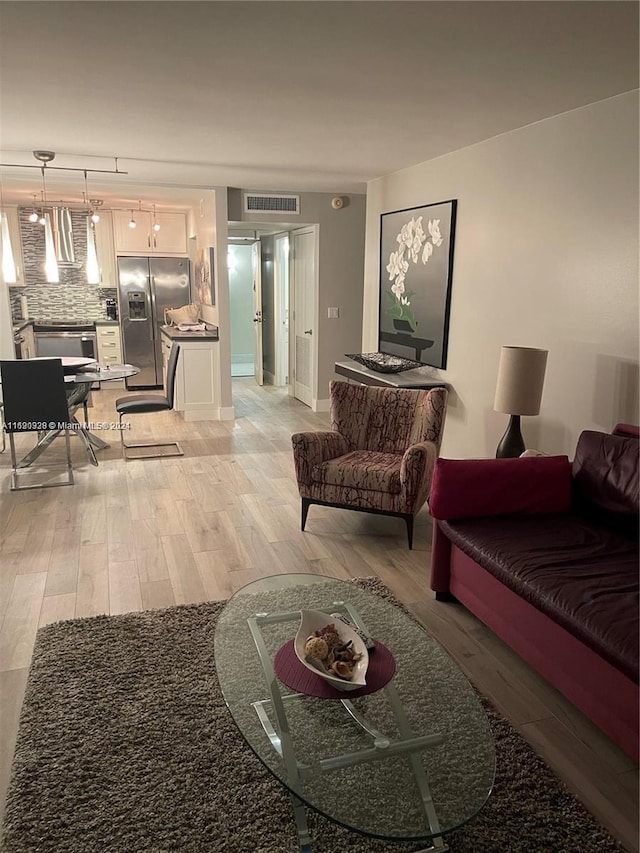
[{"x": 126, "y": 746}]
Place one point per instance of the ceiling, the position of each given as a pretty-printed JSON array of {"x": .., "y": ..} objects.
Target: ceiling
[{"x": 292, "y": 96}]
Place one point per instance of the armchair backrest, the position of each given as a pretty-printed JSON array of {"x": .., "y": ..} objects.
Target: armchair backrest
[{"x": 388, "y": 420}]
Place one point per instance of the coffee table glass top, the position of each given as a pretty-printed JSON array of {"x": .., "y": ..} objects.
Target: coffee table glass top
[{"x": 414, "y": 760}]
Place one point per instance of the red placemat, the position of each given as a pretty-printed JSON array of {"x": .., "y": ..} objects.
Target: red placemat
[{"x": 290, "y": 671}]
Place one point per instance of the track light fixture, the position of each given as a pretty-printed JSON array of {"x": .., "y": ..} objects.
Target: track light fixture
[
  {"x": 156, "y": 224},
  {"x": 132, "y": 222}
]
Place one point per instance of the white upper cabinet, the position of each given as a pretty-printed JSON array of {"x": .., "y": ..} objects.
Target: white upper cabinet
[{"x": 171, "y": 239}]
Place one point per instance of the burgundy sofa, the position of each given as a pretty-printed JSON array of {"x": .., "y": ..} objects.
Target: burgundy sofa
[{"x": 545, "y": 553}]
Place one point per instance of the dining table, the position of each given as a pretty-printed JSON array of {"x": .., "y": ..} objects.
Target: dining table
[{"x": 80, "y": 375}]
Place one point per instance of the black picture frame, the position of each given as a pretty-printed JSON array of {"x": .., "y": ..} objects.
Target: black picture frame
[{"x": 416, "y": 270}]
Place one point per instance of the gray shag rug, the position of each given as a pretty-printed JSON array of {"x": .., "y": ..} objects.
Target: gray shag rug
[{"x": 126, "y": 746}]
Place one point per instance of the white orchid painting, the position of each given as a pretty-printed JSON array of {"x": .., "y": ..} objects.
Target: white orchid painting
[
  {"x": 414, "y": 245},
  {"x": 416, "y": 258}
]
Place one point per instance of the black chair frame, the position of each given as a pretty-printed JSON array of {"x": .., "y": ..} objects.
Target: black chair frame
[{"x": 145, "y": 403}]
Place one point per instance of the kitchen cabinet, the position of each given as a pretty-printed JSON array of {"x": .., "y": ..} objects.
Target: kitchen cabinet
[
  {"x": 171, "y": 239},
  {"x": 109, "y": 343},
  {"x": 26, "y": 340},
  {"x": 197, "y": 388}
]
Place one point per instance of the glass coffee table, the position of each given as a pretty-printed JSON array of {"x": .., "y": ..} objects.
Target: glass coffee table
[{"x": 409, "y": 762}]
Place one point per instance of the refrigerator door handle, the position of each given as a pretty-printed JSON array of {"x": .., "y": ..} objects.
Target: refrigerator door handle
[{"x": 152, "y": 298}]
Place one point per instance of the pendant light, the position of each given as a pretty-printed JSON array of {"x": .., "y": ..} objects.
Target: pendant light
[
  {"x": 9, "y": 271},
  {"x": 156, "y": 225},
  {"x": 92, "y": 213},
  {"x": 132, "y": 222},
  {"x": 51, "y": 272},
  {"x": 33, "y": 216},
  {"x": 93, "y": 269}
]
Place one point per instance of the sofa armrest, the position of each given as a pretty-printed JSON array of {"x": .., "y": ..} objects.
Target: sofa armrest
[
  {"x": 416, "y": 471},
  {"x": 313, "y": 448},
  {"x": 467, "y": 488}
]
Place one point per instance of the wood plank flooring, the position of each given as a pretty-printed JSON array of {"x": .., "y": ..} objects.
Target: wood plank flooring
[{"x": 153, "y": 533}]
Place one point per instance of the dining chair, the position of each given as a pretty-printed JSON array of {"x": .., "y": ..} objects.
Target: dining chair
[
  {"x": 379, "y": 454},
  {"x": 34, "y": 400},
  {"x": 135, "y": 404}
]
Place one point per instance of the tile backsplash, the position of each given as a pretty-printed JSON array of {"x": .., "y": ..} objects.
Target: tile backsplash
[{"x": 72, "y": 298}]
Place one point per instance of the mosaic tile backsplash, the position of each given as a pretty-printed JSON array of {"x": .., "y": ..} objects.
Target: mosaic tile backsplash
[{"x": 72, "y": 298}]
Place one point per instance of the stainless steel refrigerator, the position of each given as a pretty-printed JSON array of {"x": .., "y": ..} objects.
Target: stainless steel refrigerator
[{"x": 147, "y": 286}]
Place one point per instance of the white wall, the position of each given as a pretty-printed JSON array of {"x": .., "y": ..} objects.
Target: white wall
[
  {"x": 208, "y": 225},
  {"x": 546, "y": 255}
]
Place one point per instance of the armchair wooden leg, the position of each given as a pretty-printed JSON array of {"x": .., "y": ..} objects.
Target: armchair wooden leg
[
  {"x": 409, "y": 522},
  {"x": 306, "y": 503}
]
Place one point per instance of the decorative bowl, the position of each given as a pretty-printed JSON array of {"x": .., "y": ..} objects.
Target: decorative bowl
[
  {"x": 313, "y": 620},
  {"x": 380, "y": 362}
]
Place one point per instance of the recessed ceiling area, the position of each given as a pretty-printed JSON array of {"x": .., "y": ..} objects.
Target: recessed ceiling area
[{"x": 297, "y": 96}]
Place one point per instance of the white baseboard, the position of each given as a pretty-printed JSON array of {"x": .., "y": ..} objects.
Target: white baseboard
[
  {"x": 320, "y": 405},
  {"x": 227, "y": 413}
]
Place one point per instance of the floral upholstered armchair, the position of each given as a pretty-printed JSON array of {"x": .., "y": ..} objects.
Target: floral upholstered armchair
[{"x": 379, "y": 454}]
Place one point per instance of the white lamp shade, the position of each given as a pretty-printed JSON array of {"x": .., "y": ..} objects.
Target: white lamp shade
[{"x": 520, "y": 380}]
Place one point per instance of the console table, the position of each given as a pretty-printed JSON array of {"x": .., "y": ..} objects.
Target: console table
[{"x": 406, "y": 379}]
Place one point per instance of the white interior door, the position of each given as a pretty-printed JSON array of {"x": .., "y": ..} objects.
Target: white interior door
[
  {"x": 257, "y": 312},
  {"x": 303, "y": 269},
  {"x": 281, "y": 309}
]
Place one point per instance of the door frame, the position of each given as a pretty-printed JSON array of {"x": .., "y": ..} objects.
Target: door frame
[
  {"x": 282, "y": 310},
  {"x": 314, "y": 297},
  {"x": 258, "y": 353}
]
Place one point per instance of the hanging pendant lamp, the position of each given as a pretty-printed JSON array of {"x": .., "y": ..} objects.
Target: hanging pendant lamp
[{"x": 93, "y": 269}]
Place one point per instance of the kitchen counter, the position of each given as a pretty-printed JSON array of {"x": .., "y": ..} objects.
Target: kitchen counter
[
  {"x": 174, "y": 334},
  {"x": 197, "y": 388}
]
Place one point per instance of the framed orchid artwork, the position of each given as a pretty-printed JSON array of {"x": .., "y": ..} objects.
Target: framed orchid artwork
[{"x": 416, "y": 266}]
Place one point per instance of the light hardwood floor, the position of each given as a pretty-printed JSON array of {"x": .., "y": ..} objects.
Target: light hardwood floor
[{"x": 147, "y": 534}]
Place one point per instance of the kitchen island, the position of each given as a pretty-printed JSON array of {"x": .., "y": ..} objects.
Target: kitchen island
[{"x": 197, "y": 390}]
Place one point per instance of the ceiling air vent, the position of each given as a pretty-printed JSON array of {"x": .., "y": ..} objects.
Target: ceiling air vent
[{"x": 271, "y": 203}]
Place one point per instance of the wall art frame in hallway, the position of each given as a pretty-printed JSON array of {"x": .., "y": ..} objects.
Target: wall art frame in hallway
[{"x": 416, "y": 268}]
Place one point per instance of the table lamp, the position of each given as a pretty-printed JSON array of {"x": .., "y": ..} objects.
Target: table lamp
[{"x": 518, "y": 392}]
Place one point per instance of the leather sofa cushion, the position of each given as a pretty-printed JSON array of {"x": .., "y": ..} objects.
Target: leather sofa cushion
[
  {"x": 362, "y": 469},
  {"x": 605, "y": 474},
  {"x": 582, "y": 575},
  {"x": 463, "y": 488}
]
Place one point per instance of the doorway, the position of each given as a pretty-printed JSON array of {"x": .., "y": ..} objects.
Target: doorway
[
  {"x": 271, "y": 269},
  {"x": 281, "y": 309},
  {"x": 240, "y": 262}
]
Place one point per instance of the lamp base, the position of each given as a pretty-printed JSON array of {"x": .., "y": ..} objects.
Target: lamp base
[{"x": 511, "y": 443}]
